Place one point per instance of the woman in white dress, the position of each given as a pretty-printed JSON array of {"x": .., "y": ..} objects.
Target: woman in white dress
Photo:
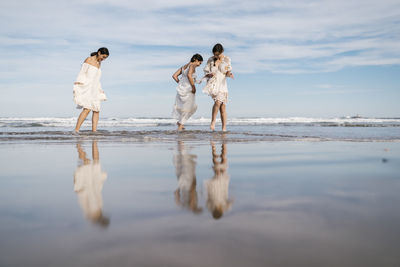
[
  {"x": 218, "y": 68},
  {"x": 185, "y": 102},
  {"x": 87, "y": 88}
]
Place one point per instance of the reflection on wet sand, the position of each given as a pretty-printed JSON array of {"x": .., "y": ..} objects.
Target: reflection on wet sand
[
  {"x": 217, "y": 187},
  {"x": 185, "y": 165},
  {"x": 88, "y": 184},
  {"x": 218, "y": 200}
]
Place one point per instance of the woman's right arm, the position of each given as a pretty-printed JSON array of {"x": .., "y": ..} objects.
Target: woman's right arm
[{"x": 176, "y": 74}]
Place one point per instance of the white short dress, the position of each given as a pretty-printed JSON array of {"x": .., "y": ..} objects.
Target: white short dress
[
  {"x": 216, "y": 86},
  {"x": 185, "y": 101},
  {"x": 89, "y": 94}
]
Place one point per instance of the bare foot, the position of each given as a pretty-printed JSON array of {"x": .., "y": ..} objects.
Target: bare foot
[
  {"x": 180, "y": 126},
  {"x": 224, "y": 129},
  {"x": 212, "y": 126}
]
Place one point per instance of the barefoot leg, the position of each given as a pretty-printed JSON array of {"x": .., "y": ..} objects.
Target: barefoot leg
[
  {"x": 222, "y": 111},
  {"x": 215, "y": 109},
  {"x": 81, "y": 119},
  {"x": 95, "y": 120}
]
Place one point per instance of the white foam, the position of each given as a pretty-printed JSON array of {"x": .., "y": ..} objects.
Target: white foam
[{"x": 149, "y": 122}]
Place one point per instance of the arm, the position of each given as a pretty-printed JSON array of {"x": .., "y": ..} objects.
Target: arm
[
  {"x": 191, "y": 81},
  {"x": 176, "y": 74}
]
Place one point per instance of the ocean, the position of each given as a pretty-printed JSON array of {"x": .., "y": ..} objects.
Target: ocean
[
  {"x": 239, "y": 129},
  {"x": 269, "y": 192}
]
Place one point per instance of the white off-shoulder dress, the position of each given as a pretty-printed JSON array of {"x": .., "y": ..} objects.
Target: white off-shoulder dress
[
  {"x": 185, "y": 101},
  {"x": 89, "y": 93},
  {"x": 216, "y": 86}
]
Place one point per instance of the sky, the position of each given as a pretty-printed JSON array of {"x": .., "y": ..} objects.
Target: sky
[{"x": 301, "y": 58}]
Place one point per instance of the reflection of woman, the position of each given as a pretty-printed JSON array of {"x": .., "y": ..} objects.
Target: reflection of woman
[
  {"x": 218, "y": 68},
  {"x": 88, "y": 184},
  {"x": 218, "y": 200},
  {"x": 87, "y": 88},
  {"x": 186, "y": 194}
]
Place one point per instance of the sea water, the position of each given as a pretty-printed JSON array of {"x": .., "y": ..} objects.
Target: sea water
[{"x": 239, "y": 129}]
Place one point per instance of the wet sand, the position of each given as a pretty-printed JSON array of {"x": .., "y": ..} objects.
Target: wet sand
[{"x": 216, "y": 202}]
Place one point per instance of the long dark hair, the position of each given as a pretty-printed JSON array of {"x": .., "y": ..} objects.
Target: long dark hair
[
  {"x": 102, "y": 50},
  {"x": 197, "y": 57},
  {"x": 218, "y": 48}
]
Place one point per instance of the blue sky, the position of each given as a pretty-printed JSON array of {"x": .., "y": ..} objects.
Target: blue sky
[{"x": 291, "y": 58}]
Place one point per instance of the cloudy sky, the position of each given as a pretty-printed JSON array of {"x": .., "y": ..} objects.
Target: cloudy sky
[{"x": 290, "y": 58}]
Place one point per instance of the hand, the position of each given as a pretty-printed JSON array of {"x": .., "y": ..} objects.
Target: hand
[
  {"x": 78, "y": 83},
  {"x": 193, "y": 90},
  {"x": 230, "y": 74},
  {"x": 209, "y": 75}
]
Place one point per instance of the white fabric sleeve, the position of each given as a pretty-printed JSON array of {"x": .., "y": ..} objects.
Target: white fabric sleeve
[
  {"x": 227, "y": 63},
  {"x": 82, "y": 74}
]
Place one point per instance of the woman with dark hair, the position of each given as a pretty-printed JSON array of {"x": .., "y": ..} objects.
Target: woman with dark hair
[
  {"x": 185, "y": 104},
  {"x": 87, "y": 88},
  {"x": 218, "y": 68}
]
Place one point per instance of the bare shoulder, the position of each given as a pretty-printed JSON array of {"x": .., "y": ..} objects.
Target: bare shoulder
[
  {"x": 192, "y": 68},
  {"x": 186, "y": 66},
  {"x": 89, "y": 60}
]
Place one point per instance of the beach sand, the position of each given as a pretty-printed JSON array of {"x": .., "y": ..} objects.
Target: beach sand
[{"x": 216, "y": 202}]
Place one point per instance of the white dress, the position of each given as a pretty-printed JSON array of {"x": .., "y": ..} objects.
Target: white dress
[
  {"x": 185, "y": 101},
  {"x": 216, "y": 86},
  {"x": 89, "y": 94},
  {"x": 88, "y": 184}
]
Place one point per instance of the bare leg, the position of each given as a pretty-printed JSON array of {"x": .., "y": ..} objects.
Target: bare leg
[
  {"x": 215, "y": 109},
  {"x": 222, "y": 111},
  {"x": 95, "y": 120},
  {"x": 81, "y": 119}
]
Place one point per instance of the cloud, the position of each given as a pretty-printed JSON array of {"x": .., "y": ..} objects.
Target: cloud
[{"x": 45, "y": 41}]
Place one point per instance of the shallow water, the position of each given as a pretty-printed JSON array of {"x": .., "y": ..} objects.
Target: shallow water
[
  {"x": 240, "y": 129},
  {"x": 199, "y": 203}
]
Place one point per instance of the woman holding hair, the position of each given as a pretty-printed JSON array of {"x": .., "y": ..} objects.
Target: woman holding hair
[
  {"x": 87, "y": 88},
  {"x": 185, "y": 104},
  {"x": 218, "y": 68}
]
